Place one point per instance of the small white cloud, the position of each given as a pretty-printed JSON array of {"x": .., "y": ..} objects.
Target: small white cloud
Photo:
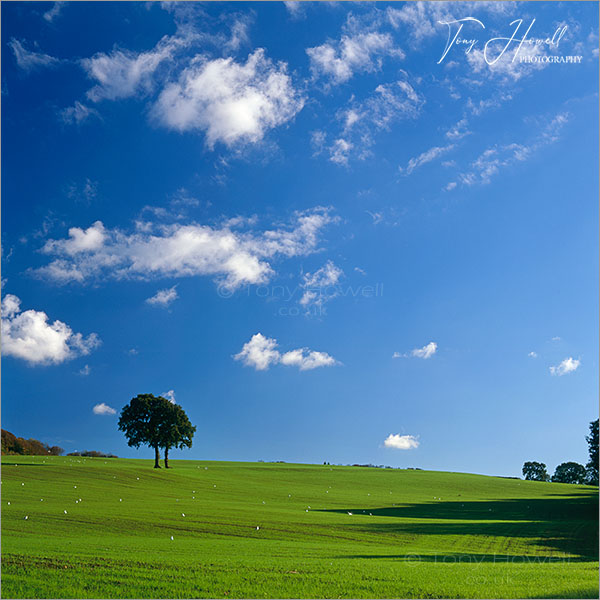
[
  {"x": 78, "y": 113},
  {"x": 163, "y": 298},
  {"x": 260, "y": 352},
  {"x": 556, "y": 338},
  {"x": 426, "y": 351},
  {"x": 54, "y": 12},
  {"x": 306, "y": 359},
  {"x": 103, "y": 409},
  {"x": 322, "y": 285},
  {"x": 401, "y": 442},
  {"x": 232, "y": 103},
  {"x": 568, "y": 365},
  {"x": 532, "y": 354},
  {"x": 28, "y": 335},
  {"x": 85, "y": 371},
  {"x": 359, "y": 270},
  {"x": 397, "y": 355},
  {"x": 358, "y": 52},
  {"x": 170, "y": 396}
]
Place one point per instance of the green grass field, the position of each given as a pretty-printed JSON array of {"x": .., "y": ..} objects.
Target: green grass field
[{"x": 115, "y": 528}]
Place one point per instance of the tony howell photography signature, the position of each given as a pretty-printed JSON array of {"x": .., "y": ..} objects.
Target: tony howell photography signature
[{"x": 494, "y": 48}]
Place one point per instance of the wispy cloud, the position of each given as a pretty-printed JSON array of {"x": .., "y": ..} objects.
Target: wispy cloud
[
  {"x": 492, "y": 160},
  {"x": 54, "y": 12},
  {"x": 261, "y": 353},
  {"x": 78, "y": 113},
  {"x": 29, "y": 336},
  {"x": 321, "y": 286},
  {"x": 426, "y": 157},
  {"x": 29, "y": 60}
]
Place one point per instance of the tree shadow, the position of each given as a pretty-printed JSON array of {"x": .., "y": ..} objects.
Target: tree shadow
[{"x": 564, "y": 523}]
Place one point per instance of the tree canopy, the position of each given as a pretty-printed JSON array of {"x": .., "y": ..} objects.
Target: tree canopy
[
  {"x": 592, "y": 465},
  {"x": 569, "y": 472},
  {"x": 535, "y": 471},
  {"x": 156, "y": 422}
]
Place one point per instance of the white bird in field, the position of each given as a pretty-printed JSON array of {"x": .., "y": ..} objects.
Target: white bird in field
[
  {"x": 350, "y": 513},
  {"x": 257, "y": 528},
  {"x": 307, "y": 510},
  {"x": 65, "y": 512},
  {"x": 76, "y": 501},
  {"x": 26, "y": 517},
  {"x": 22, "y": 484},
  {"x": 264, "y": 502},
  {"x": 183, "y": 514},
  {"x": 120, "y": 499},
  {"x": 214, "y": 485},
  {"x": 370, "y": 514},
  {"x": 193, "y": 497},
  {"x": 138, "y": 478},
  {"x": 171, "y": 538},
  {"x": 9, "y": 503},
  {"x": 75, "y": 486}
]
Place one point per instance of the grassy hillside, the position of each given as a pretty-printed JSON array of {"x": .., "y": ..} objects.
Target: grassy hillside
[{"x": 116, "y": 528}]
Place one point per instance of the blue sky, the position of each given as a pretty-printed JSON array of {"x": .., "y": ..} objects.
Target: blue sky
[{"x": 323, "y": 240}]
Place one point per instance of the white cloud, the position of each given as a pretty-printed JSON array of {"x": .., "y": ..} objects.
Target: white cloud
[
  {"x": 532, "y": 354},
  {"x": 505, "y": 68},
  {"x": 170, "y": 396},
  {"x": 261, "y": 353},
  {"x": 234, "y": 257},
  {"x": 401, "y": 442},
  {"x": 295, "y": 8},
  {"x": 426, "y": 351},
  {"x": 163, "y": 298},
  {"x": 321, "y": 286},
  {"x": 78, "y": 113},
  {"x": 493, "y": 159},
  {"x": 28, "y": 335},
  {"x": 230, "y": 102},
  {"x": 85, "y": 371},
  {"x": 357, "y": 52},
  {"x": 123, "y": 73},
  {"x": 458, "y": 131},
  {"x": 556, "y": 338},
  {"x": 306, "y": 359},
  {"x": 388, "y": 104},
  {"x": 29, "y": 60},
  {"x": 54, "y": 12},
  {"x": 568, "y": 365},
  {"x": 425, "y": 157},
  {"x": 103, "y": 409}
]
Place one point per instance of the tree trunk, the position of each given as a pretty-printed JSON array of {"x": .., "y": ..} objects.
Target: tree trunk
[
  {"x": 167, "y": 457},
  {"x": 156, "y": 458}
]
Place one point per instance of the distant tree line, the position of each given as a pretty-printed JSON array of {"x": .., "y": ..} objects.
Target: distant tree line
[
  {"x": 569, "y": 472},
  {"x": 92, "y": 454},
  {"x": 11, "y": 444}
]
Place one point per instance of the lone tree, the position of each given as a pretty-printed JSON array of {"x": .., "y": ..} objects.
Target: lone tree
[
  {"x": 592, "y": 465},
  {"x": 535, "y": 471},
  {"x": 156, "y": 422},
  {"x": 569, "y": 472}
]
